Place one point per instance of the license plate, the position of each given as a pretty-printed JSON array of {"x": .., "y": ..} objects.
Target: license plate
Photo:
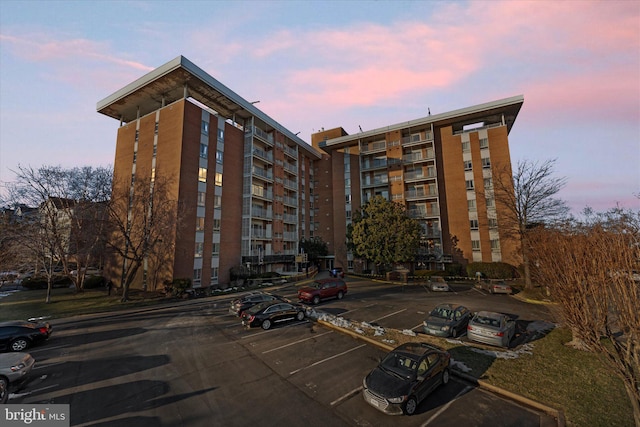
[{"x": 373, "y": 402}]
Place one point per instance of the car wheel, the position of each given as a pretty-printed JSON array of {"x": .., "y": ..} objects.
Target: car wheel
[
  {"x": 4, "y": 390},
  {"x": 266, "y": 324},
  {"x": 410, "y": 406},
  {"x": 300, "y": 315},
  {"x": 340, "y": 295},
  {"x": 445, "y": 376},
  {"x": 316, "y": 299},
  {"x": 19, "y": 344}
]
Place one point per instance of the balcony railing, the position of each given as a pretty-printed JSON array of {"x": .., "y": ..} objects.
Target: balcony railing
[
  {"x": 421, "y": 193},
  {"x": 423, "y": 213},
  {"x": 417, "y": 157},
  {"x": 267, "y": 174}
]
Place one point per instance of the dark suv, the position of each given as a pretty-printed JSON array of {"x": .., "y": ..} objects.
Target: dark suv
[
  {"x": 323, "y": 289},
  {"x": 337, "y": 272}
]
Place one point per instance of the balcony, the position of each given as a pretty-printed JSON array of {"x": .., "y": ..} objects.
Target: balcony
[
  {"x": 261, "y": 173},
  {"x": 290, "y": 151},
  {"x": 423, "y": 213},
  {"x": 291, "y": 201},
  {"x": 291, "y": 168},
  {"x": 419, "y": 138},
  {"x": 377, "y": 182},
  {"x": 267, "y": 137},
  {"x": 374, "y": 147},
  {"x": 260, "y": 192},
  {"x": 268, "y": 156},
  {"x": 374, "y": 164},
  {"x": 420, "y": 193},
  {"x": 419, "y": 157}
]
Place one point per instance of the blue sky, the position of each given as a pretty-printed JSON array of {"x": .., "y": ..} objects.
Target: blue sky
[{"x": 316, "y": 65}]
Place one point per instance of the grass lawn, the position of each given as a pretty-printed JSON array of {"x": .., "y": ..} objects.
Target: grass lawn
[{"x": 551, "y": 373}]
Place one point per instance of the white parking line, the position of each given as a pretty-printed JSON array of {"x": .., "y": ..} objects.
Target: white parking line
[
  {"x": 271, "y": 330},
  {"x": 327, "y": 359},
  {"x": 446, "y": 406},
  {"x": 296, "y": 342},
  {"x": 347, "y": 396},
  {"x": 388, "y": 315},
  {"x": 417, "y": 326}
]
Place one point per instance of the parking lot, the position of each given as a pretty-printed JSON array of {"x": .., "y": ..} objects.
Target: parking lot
[{"x": 193, "y": 364}]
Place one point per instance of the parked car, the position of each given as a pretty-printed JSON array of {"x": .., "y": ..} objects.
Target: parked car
[
  {"x": 337, "y": 272},
  {"x": 268, "y": 314},
  {"x": 18, "y": 335},
  {"x": 491, "y": 328},
  {"x": 323, "y": 289},
  {"x": 438, "y": 284},
  {"x": 249, "y": 300},
  {"x": 447, "y": 320},
  {"x": 405, "y": 377},
  {"x": 14, "y": 368},
  {"x": 496, "y": 287}
]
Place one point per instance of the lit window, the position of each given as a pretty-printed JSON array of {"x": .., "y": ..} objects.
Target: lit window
[
  {"x": 202, "y": 174},
  {"x": 199, "y": 223},
  {"x": 218, "y": 179}
]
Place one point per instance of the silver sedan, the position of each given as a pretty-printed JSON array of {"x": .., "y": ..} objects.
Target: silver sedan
[
  {"x": 14, "y": 367},
  {"x": 491, "y": 328}
]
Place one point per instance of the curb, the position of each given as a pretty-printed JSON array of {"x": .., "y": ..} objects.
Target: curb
[{"x": 555, "y": 413}]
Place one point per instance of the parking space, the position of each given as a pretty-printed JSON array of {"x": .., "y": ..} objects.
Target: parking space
[{"x": 177, "y": 366}]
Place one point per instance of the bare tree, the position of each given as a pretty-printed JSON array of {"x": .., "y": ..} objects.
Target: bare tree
[
  {"x": 525, "y": 199},
  {"x": 591, "y": 269},
  {"x": 144, "y": 221},
  {"x": 62, "y": 233}
]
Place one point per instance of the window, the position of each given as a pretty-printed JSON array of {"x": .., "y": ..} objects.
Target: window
[
  {"x": 199, "y": 223},
  {"x": 202, "y": 174},
  {"x": 197, "y": 274},
  {"x": 493, "y": 223},
  {"x": 217, "y": 202},
  {"x": 204, "y": 149},
  {"x": 495, "y": 244},
  {"x": 216, "y": 225},
  {"x": 218, "y": 179},
  {"x": 215, "y": 251},
  {"x": 199, "y": 249},
  {"x": 214, "y": 274},
  {"x": 469, "y": 184},
  {"x": 473, "y": 223},
  {"x": 466, "y": 146},
  {"x": 486, "y": 163},
  {"x": 471, "y": 204},
  {"x": 219, "y": 156},
  {"x": 415, "y": 137},
  {"x": 201, "y": 198},
  {"x": 488, "y": 183},
  {"x": 467, "y": 165},
  {"x": 205, "y": 128},
  {"x": 347, "y": 198},
  {"x": 137, "y": 135},
  {"x": 220, "y": 134},
  {"x": 475, "y": 245},
  {"x": 156, "y": 129},
  {"x": 484, "y": 142},
  {"x": 491, "y": 203}
]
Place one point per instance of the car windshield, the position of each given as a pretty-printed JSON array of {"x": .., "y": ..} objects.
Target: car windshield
[
  {"x": 316, "y": 285},
  {"x": 401, "y": 364},
  {"x": 443, "y": 313},
  {"x": 487, "y": 321}
]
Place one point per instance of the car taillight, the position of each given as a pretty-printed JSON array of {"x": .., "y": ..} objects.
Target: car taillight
[
  {"x": 43, "y": 330},
  {"x": 469, "y": 327},
  {"x": 499, "y": 334},
  {"x": 251, "y": 318}
]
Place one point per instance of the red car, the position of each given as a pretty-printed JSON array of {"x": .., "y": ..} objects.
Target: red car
[{"x": 323, "y": 289}]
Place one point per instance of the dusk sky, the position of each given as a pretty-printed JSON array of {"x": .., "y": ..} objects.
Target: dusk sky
[{"x": 328, "y": 64}]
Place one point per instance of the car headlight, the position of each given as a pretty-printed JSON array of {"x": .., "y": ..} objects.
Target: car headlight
[
  {"x": 446, "y": 328},
  {"x": 399, "y": 399}
]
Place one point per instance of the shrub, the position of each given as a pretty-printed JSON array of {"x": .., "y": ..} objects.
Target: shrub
[
  {"x": 93, "y": 282},
  {"x": 492, "y": 270}
]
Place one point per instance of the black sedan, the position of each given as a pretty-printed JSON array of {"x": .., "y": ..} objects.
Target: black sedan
[
  {"x": 405, "y": 377},
  {"x": 447, "y": 320},
  {"x": 268, "y": 314},
  {"x": 18, "y": 335},
  {"x": 239, "y": 305}
]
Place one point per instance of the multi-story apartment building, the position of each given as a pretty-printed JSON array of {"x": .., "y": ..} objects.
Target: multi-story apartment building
[
  {"x": 247, "y": 189},
  {"x": 243, "y": 183},
  {"x": 441, "y": 167}
]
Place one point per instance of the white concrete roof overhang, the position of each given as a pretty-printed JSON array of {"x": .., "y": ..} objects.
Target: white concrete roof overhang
[{"x": 167, "y": 84}]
